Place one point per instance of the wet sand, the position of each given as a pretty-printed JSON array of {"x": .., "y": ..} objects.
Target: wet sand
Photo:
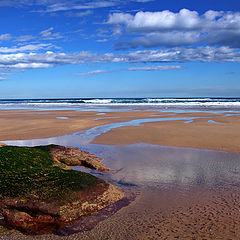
[
  {"x": 223, "y": 135},
  {"x": 186, "y": 213},
  {"x": 201, "y": 215},
  {"x": 41, "y": 124}
]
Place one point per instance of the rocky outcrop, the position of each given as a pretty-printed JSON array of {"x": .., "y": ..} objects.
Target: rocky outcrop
[
  {"x": 38, "y": 217},
  {"x": 74, "y": 157},
  {"x": 33, "y": 214}
]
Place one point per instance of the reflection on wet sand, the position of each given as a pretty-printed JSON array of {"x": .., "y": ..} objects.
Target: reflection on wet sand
[{"x": 150, "y": 166}]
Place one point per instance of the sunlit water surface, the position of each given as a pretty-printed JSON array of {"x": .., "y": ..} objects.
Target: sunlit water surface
[{"x": 150, "y": 166}]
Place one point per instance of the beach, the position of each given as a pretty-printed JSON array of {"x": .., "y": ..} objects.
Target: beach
[
  {"x": 200, "y": 133},
  {"x": 119, "y": 120},
  {"x": 196, "y": 202}
]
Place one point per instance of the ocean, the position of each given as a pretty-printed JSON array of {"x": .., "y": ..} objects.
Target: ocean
[{"x": 105, "y": 104}]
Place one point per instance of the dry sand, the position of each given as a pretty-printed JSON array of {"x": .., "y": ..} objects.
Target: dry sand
[{"x": 176, "y": 214}]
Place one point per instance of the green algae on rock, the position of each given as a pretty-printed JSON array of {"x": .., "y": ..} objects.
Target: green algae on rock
[{"x": 40, "y": 194}]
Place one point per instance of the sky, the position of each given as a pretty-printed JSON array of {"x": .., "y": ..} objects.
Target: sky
[{"x": 118, "y": 48}]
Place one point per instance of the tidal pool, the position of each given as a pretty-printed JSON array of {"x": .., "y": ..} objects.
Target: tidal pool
[{"x": 150, "y": 166}]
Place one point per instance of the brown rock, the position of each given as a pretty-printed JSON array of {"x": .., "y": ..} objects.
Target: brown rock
[
  {"x": 35, "y": 216},
  {"x": 75, "y": 157},
  {"x": 38, "y": 217},
  {"x": 30, "y": 224}
]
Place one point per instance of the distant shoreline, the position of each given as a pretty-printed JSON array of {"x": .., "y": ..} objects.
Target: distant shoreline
[{"x": 153, "y": 103}]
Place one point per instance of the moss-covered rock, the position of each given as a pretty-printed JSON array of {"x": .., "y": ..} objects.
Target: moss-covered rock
[{"x": 38, "y": 191}]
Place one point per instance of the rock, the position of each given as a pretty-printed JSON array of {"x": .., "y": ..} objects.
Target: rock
[
  {"x": 29, "y": 224},
  {"x": 75, "y": 157},
  {"x": 34, "y": 214},
  {"x": 35, "y": 217}
]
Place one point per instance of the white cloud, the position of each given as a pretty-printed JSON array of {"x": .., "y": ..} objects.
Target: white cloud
[
  {"x": 199, "y": 54},
  {"x": 5, "y": 37},
  {"x": 103, "y": 40},
  {"x": 24, "y": 38},
  {"x": 83, "y": 13},
  {"x": 63, "y": 5},
  {"x": 157, "y": 21},
  {"x": 43, "y": 60},
  {"x": 49, "y": 35},
  {"x": 185, "y": 27},
  {"x": 156, "y": 68},
  {"x": 50, "y": 59},
  {"x": 143, "y": 68},
  {"x": 25, "y": 48},
  {"x": 94, "y": 72},
  {"x": 28, "y": 65},
  {"x": 83, "y": 6},
  {"x": 3, "y": 78}
]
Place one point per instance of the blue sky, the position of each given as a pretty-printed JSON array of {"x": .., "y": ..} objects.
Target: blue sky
[{"x": 116, "y": 48}]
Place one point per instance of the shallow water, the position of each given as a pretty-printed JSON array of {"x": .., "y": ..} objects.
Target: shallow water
[
  {"x": 189, "y": 121},
  {"x": 212, "y": 121},
  {"x": 62, "y": 117},
  {"x": 150, "y": 166}
]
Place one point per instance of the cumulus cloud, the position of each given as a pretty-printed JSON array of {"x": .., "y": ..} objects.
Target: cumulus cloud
[
  {"x": 157, "y": 21},
  {"x": 166, "y": 28},
  {"x": 43, "y": 60},
  {"x": 181, "y": 55}
]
